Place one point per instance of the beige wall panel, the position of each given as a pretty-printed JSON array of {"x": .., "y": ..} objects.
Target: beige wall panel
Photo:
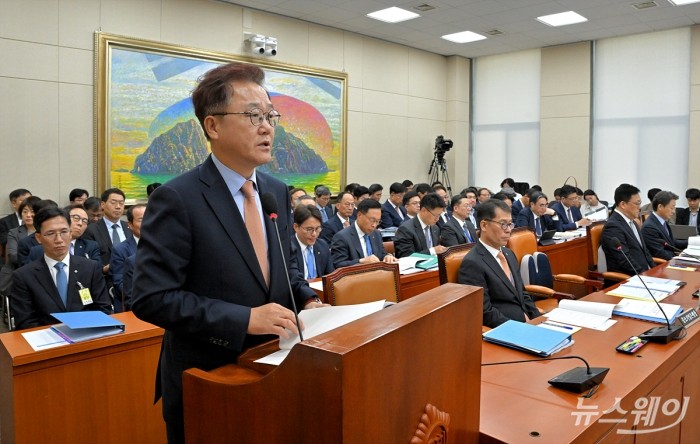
[
  {"x": 354, "y": 151},
  {"x": 75, "y": 140},
  {"x": 564, "y": 146},
  {"x": 75, "y": 66},
  {"x": 695, "y": 55},
  {"x": 385, "y": 67},
  {"x": 426, "y": 75},
  {"x": 202, "y": 24},
  {"x": 458, "y": 157},
  {"x": 429, "y": 109},
  {"x": 419, "y": 150},
  {"x": 30, "y": 20},
  {"x": 693, "y": 153},
  {"x": 77, "y": 21},
  {"x": 382, "y": 161},
  {"x": 326, "y": 48},
  {"x": 458, "y": 78},
  {"x": 355, "y": 99},
  {"x": 24, "y": 60},
  {"x": 572, "y": 105},
  {"x": 694, "y": 136},
  {"x": 133, "y": 18},
  {"x": 353, "y": 45},
  {"x": 566, "y": 69},
  {"x": 384, "y": 103}
]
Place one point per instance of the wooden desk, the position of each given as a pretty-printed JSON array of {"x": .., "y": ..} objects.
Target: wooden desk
[
  {"x": 411, "y": 284},
  {"x": 568, "y": 257},
  {"x": 518, "y": 405},
  {"x": 94, "y": 391}
]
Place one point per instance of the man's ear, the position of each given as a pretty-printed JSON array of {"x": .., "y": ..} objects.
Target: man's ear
[{"x": 211, "y": 127}]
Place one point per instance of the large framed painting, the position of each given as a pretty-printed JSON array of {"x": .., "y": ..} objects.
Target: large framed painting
[{"x": 146, "y": 130}]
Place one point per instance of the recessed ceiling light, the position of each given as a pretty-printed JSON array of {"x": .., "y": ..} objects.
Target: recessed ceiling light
[
  {"x": 563, "y": 18},
  {"x": 683, "y": 2},
  {"x": 393, "y": 15},
  {"x": 463, "y": 37}
]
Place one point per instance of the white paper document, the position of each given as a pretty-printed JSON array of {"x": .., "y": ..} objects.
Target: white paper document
[
  {"x": 320, "y": 320},
  {"x": 44, "y": 339},
  {"x": 594, "y": 315},
  {"x": 316, "y": 285},
  {"x": 639, "y": 293},
  {"x": 407, "y": 265}
]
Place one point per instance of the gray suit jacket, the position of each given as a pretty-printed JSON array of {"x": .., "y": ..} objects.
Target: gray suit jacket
[
  {"x": 409, "y": 238},
  {"x": 346, "y": 248},
  {"x": 452, "y": 233}
]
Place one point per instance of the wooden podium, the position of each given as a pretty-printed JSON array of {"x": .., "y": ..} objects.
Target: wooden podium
[{"x": 401, "y": 375}]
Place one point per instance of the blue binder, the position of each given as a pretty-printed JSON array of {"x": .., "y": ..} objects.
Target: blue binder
[{"x": 528, "y": 338}]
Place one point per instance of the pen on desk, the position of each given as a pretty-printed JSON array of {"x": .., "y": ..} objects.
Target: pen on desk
[{"x": 558, "y": 325}]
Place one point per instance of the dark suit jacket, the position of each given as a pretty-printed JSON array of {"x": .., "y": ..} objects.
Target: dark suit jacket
[
  {"x": 526, "y": 218},
  {"x": 34, "y": 295},
  {"x": 502, "y": 300},
  {"x": 83, "y": 248},
  {"x": 390, "y": 217},
  {"x": 515, "y": 209},
  {"x": 24, "y": 247},
  {"x": 322, "y": 257},
  {"x": 567, "y": 224},
  {"x": 330, "y": 228},
  {"x": 638, "y": 254},
  {"x": 128, "y": 282},
  {"x": 346, "y": 248},
  {"x": 116, "y": 268},
  {"x": 327, "y": 209},
  {"x": 98, "y": 232},
  {"x": 659, "y": 242},
  {"x": 683, "y": 217},
  {"x": 6, "y": 224},
  {"x": 410, "y": 238},
  {"x": 197, "y": 275},
  {"x": 452, "y": 233}
]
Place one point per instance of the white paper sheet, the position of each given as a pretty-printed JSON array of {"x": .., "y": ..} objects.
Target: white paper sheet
[{"x": 44, "y": 339}]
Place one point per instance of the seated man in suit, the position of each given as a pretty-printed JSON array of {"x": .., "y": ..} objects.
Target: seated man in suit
[
  {"x": 294, "y": 194},
  {"x": 568, "y": 211},
  {"x": 655, "y": 230},
  {"x": 689, "y": 216},
  {"x": 441, "y": 191},
  {"x": 361, "y": 243},
  {"x": 323, "y": 196},
  {"x": 519, "y": 204},
  {"x": 493, "y": 267},
  {"x": 411, "y": 202},
  {"x": 78, "y": 247},
  {"x": 393, "y": 212},
  {"x": 56, "y": 282},
  {"x": 538, "y": 216},
  {"x": 622, "y": 226},
  {"x": 344, "y": 206},
  {"x": 459, "y": 229},
  {"x": 134, "y": 217},
  {"x": 13, "y": 219},
  {"x": 375, "y": 191},
  {"x": 421, "y": 234},
  {"x": 128, "y": 281},
  {"x": 312, "y": 252}
]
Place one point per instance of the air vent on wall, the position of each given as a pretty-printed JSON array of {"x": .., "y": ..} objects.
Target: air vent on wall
[{"x": 644, "y": 5}]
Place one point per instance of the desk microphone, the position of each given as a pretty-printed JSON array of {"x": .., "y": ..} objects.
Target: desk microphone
[
  {"x": 576, "y": 380},
  {"x": 660, "y": 335},
  {"x": 269, "y": 204},
  {"x": 681, "y": 252}
]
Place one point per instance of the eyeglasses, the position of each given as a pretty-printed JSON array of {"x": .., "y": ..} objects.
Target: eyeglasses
[
  {"x": 436, "y": 216},
  {"x": 504, "y": 225},
  {"x": 56, "y": 234},
  {"x": 257, "y": 116},
  {"x": 77, "y": 218},
  {"x": 312, "y": 230}
]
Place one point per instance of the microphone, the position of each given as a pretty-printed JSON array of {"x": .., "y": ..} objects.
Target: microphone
[
  {"x": 269, "y": 204},
  {"x": 660, "y": 335},
  {"x": 576, "y": 380},
  {"x": 680, "y": 252}
]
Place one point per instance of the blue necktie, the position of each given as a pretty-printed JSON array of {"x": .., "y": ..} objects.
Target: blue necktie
[
  {"x": 324, "y": 215},
  {"x": 61, "y": 282},
  {"x": 538, "y": 227},
  {"x": 428, "y": 239},
  {"x": 310, "y": 263},
  {"x": 368, "y": 244},
  {"x": 466, "y": 233}
]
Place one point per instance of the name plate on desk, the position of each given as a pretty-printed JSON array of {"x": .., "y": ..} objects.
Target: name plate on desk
[{"x": 689, "y": 317}]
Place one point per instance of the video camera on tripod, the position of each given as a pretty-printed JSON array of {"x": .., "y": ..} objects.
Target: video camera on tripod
[
  {"x": 442, "y": 146},
  {"x": 439, "y": 165}
]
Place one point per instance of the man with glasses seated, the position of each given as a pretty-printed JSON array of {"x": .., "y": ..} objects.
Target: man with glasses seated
[
  {"x": 78, "y": 246},
  {"x": 568, "y": 210},
  {"x": 537, "y": 215},
  {"x": 421, "y": 234},
  {"x": 120, "y": 252},
  {"x": 361, "y": 242},
  {"x": 623, "y": 225},
  {"x": 344, "y": 206},
  {"x": 493, "y": 267},
  {"x": 312, "y": 253},
  {"x": 411, "y": 202},
  {"x": 57, "y": 281}
]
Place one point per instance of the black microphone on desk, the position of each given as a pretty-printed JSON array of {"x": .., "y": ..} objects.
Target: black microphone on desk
[
  {"x": 681, "y": 252},
  {"x": 576, "y": 380},
  {"x": 269, "y": 204},
  {"x": 660, "y": 335}
]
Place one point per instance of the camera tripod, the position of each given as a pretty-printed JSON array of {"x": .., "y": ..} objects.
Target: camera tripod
[{"x": 438, "y": 172}]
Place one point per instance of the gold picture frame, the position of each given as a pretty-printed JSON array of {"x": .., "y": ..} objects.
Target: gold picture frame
[{"x": 142, "y": 93}]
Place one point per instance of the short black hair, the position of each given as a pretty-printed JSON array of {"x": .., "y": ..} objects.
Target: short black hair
[
  {"x": 322, "y": 190},
  {"x": 692, "y": 193},
  {"x": 537, "y": 195},
  {"x": 407, "y": 183},
  {"x": 351, "y": 187},
  {"x": 408, "y": 196},
  {"x": 77, "y": 192},
  {"x": 487, "y": 210},
  {"x": 130, "y": 211},
  {"x": 503, "y": 196},
  {"x": 652, "y": 192},
  {"x": 508, "y": 181},
  {"x": 374, "y": 188},
  {"x": 106, "y": 193},
  {"x": 566, "y": 190},
  {"x": 456, "y": 200},
  {"x": 30, "y": 202},
  {"x": 368, "y": 204},
  {"x": 303, "y": 212},
  {"x": 359, "y": 191},
  {"x": 557, "y": 192},
  {"x": 92, "y": 203},
  {"x": 422, "y": 188},
  {"x": 537, "y": 187},
  {"x": 49, "y": 213},
  {"x": 589, "y": 192},
  {"x": 663, "y": 198},
  {"x": 14, "y": 194},
  {"x": 151, "y": 187},
  {"x": 624, "y": 193},
  {"x": 431, "y": 201},
  {"x": 296, "y": 190},
  {"x": 397, "y": 188}
]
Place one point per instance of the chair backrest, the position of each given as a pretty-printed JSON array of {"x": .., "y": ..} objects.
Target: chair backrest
[
  {"x": 362, "y": 283},
  {"x": 536, "y": 270},
  {"x": 594, "y": 232},
  {"x": 522, "y": 241},
  {"x": 450, "y": 260},
  {"x": 389, "y": 247}
]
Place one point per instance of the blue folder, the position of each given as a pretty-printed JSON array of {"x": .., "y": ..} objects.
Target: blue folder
[
  {"x": 78, "y": 326},
  {"x": 528, "y": 338}
]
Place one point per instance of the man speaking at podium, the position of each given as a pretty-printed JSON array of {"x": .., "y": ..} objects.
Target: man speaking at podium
[{"x": 209, "y": 269}]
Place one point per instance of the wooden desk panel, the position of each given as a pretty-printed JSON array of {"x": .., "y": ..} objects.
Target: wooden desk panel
[
  {"x": 567, "y": 257},
  {"x": 520, "y": 392},
  {"x": 411, "y": 284},
  {"x": 95, "y": 391}
]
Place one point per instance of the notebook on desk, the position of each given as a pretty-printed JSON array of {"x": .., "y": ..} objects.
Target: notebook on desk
[{"x": 683, "y": 232}]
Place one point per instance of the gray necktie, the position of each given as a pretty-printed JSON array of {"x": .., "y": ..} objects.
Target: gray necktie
[
  {"x": 428, "y": 238},
  {"x": 115, "y": 235},
  {"x": 636, "y": 233}
]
